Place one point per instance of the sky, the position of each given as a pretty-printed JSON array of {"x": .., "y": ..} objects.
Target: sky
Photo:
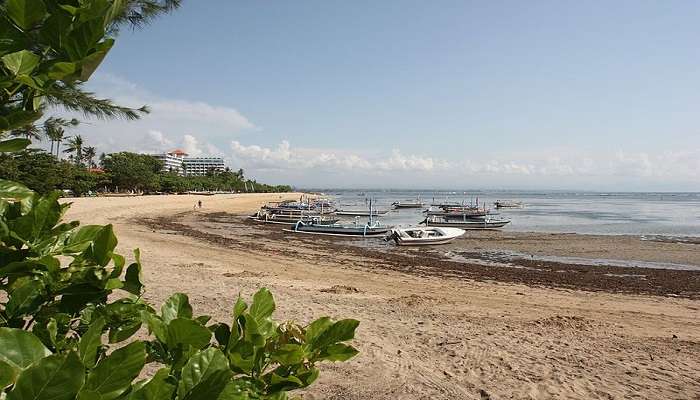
[{"x": 564, "y": 95}]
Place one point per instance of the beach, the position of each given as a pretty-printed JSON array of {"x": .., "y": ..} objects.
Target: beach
[{"x": 444, "y": 324}]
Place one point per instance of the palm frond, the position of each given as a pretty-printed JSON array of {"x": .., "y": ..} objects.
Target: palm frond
[
  {"x": 138, "y": 13},
  {"x": 73, "y": 98}
]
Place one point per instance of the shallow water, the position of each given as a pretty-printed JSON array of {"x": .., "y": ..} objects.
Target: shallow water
[{"x": 664, "y": 214}]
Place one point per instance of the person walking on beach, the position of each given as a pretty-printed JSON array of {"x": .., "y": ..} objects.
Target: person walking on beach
[{"x": 199, "y": 203}]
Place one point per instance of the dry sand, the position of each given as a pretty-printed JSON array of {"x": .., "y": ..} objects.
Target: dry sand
[{"x": 426, "y": 335}]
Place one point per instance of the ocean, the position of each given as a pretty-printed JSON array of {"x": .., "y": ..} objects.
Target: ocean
[{"x": 664, "y": 214}]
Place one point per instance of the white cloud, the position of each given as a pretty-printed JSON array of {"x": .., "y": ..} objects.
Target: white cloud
[
  {"x": 159, "y": 138},
  {"x": 171, "y": 122},
  {"x": 579, "y": 169}
]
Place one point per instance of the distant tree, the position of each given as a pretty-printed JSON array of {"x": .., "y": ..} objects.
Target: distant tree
[
  {"x": 89, "y": 154},
  {"x": 54, "y": 130},
  {"x": 37, "y": 169},
  {"x": 75, "y": 149},
  {"x": 131, "y": 171}
]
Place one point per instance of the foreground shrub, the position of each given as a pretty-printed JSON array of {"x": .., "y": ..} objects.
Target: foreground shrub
[{"x": 70, "y": 304}]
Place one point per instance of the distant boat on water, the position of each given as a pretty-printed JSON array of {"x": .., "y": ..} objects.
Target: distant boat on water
[
  {"x": 485, "y": 223},
  {"x": 408, "y": 204},
  {"x": 508, "y": 204},
  {"x": 360, "y": 213}
]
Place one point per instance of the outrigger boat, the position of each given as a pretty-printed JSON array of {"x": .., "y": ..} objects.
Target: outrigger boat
[
  {"x": 369, "y": 229},
  {"x": 366, "y": 230},
  {"x": 508, "y": 204},
  {"x": 424, "y": 236},
  {"x": 408, "y": 204},
  {"x": 291, "y": 219},
  {"x": 485, "y": 223},
  {"x": 360, "y": 213}
]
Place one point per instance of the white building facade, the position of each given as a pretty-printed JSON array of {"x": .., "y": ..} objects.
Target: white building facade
[
  {"x": 197, "y": 166},
  {"x": 177, "y": 161}
]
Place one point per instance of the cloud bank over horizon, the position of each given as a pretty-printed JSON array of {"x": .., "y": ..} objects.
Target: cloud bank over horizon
[{"x": 200, "y": 128}]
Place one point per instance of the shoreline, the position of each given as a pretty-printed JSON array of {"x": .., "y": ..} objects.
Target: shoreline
[
  {"x": 421, "y": 334},
  {"x": 433, "y": 263}
]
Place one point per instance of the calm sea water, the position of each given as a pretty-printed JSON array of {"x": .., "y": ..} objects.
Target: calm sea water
[{"x": 667, "y": 214}]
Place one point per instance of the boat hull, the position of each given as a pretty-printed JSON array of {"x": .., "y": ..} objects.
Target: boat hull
[
  {"x": 471, "y": 225},
  {"x": 350, "y": 213},
  {"x": 340, "y": 230},
  {"x": 425, "y": 236}
]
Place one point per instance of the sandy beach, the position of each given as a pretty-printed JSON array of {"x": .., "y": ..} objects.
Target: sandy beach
[{"x": 443, "y": 324}]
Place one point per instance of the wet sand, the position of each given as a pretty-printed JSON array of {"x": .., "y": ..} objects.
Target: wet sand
[{"x": 432, "y": 326}]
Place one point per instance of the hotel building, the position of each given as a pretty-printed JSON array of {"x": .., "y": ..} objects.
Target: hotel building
[{"x": 178, "y": 161}]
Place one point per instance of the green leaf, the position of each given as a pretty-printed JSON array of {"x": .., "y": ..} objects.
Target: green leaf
[
  {"x": 113, "y": 375},
  {"x": 222, "y": 333},
  {"x": 21, "y": 62},
  {"x": 199, "y": 367},
  {"x": 91, "y": 342},
  {"x": 14, "y": 190},
  {"x": 338, "y": 352},
  {"x": 263, "y": 305},
  {"x": 61, "y": 70},
  {"x": 56, "y": 377},
  {"x": 83, "y": 39},
  {"x": 26, "y": 13},
  {"x": 80, "y": 239},
  {"x": 124, "y": 331},
  {"x": 211, "y": 387},
  {"x": 133, "y": 279},
  {"x": 13, "y": 145},
  {"x": 157, "y": 388},
  {"x": 289, "y": 354},
  {"x": 239, "y": 307},
  {"x": 177, "y": 306},
  {"x": 338, "y": 332},
  {"x": 25, "y": 299},
  {"x": 90, "y": 63},
  {"x": 104, "y": 243},
  {"x": 316, "y": 328},
  {"x": 8, "y": 375},
  {"x": 187, "y": 332},
  {"x": 155, "y": 326}
]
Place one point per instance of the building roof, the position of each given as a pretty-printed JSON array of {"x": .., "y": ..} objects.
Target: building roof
[{"x": 177, "y": 152}]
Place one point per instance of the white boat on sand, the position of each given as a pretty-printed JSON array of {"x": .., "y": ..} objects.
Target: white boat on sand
[{"x": 420, "y": 236}]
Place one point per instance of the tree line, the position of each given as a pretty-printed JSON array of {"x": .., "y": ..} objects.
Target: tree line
[{"x": 81, "y": 175}]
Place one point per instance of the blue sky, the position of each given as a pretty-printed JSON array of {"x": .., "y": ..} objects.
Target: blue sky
[{"x": 547, "y": 94}]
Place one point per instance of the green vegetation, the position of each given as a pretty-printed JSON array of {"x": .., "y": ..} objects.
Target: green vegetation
[
  {"x": 43, "y": 173},
  {"x": 54, "y": 317},
  {"x": 70, "y": 306}
]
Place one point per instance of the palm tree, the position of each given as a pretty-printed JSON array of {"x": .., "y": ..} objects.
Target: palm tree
[
  {"x": 89, "y": 156},
  {"x": 53, "y": 130},
  {"x": 75, "y": 149},
  {"x": 58, "y": 137}
]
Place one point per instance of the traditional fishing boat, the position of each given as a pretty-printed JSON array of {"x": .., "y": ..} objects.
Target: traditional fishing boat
[
  {"x": 508, "y": 204},
  {"x": 408, "y": 204},
  {"x": 457, "y": 213},
  {"x": 292, "y": 219},
  {"x": 424, "y": 236},
  {"x": 485, "y": 223},
  {"x": 360, "y": 213},
  {"x": 367, "y": 230}
]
